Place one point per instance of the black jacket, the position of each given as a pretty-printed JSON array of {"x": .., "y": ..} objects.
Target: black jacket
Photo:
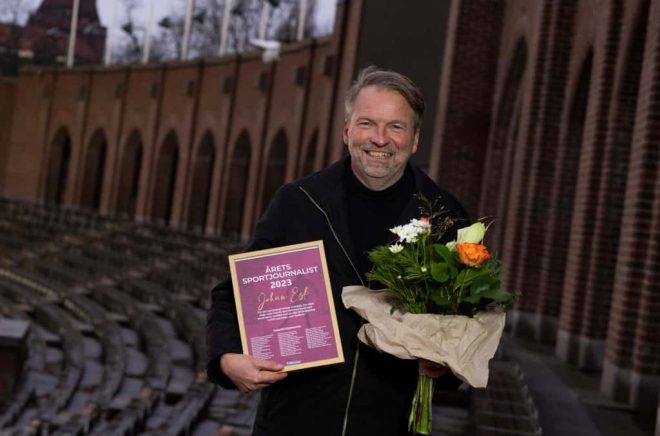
[{"x": 314, "y": 401}]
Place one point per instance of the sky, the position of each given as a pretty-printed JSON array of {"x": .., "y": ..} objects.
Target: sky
[{"x": 325, "y": 15}]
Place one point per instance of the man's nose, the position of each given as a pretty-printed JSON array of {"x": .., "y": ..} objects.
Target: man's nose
[{"x": 379, "y": 136}]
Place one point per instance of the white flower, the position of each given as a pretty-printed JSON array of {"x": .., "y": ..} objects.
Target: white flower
[
  {"x": 395, "y": 248},
  {"x": 423, "y": 269},
  {"x": 474, "y": 234},
  {"x": 422, "y": 225},
  {"x": 408, "y": 233}
]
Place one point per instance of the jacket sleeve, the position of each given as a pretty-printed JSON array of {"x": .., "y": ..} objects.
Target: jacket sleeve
[{"x": 222, "y": 333}]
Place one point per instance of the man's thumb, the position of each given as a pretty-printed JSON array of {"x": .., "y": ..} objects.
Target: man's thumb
[{"x": 270, "y": 365}]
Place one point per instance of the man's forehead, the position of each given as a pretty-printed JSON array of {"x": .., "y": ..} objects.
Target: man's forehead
[{"x": 372, "y": 91}]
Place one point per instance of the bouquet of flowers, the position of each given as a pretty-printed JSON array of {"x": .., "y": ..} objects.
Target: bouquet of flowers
[{"x": 443, "y": 303}]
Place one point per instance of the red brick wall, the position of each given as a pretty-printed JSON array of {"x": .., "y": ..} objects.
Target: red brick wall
[
  {"x": 104, "y": 116},
  {"x": 285, "y": 116},
  {"x": 347, "y": 30},
  {"x": 539, "y": 174},
  {"x": 69, "y": 106},
  {"x": 176, "y": 115},
  {"x": 596, "y": 125},
  {"x": 141, "y": 99},
  {"x": 611, "y": 190},
  {"x": 644, "y": 174},
  {"x": 28, "y": 141},
  {"x": 525, "y": 39},
  {"x": 318, "y": 107},
  {"x": 249, "y": 115},
  {"x": 7, "y": 89},
  {"x": 632, "y": 334},
  {"x": 466, "y": 94},
  {"x": 214, "y": 111}
]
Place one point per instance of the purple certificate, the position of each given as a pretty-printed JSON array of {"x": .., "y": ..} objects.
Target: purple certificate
[{"x": 285, "y": 307}]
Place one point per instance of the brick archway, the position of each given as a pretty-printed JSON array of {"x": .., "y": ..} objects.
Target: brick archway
[
  {"x": 57, "y": 170},
  {"x": 497, "y": 176},
  {"x": 129, "y": 176},
  {"x": 239, "y": 166},
  {"x": 93, "y": 171},
  {"x": 274, "y": 171},
  {"x": 167, "y": 164},
  {"x": 201, "y": 182},
  {"x": 306, "y": 165}
]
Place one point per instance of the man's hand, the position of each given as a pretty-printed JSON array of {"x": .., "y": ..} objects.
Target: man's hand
[
  {"x": 432, "y": 369},
  {"x": 249, "y": 373}
]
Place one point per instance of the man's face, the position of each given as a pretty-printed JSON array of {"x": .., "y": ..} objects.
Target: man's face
[{"x": 381, "y": 136}]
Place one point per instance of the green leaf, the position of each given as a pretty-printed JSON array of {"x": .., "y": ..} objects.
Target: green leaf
[
  {"x": 498, "y": 295},
  {"x": 444, "y": 252},
  {"x": 484, "y": 282},
  {"x": 472, "y": 299},
  {"x": 468, "y": 275},
  {"x": 440, "y": 272},
  {"x": 440, "y": 298}
]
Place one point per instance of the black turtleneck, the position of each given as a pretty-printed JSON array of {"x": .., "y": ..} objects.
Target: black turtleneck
[{"x": 371, "y": 214}]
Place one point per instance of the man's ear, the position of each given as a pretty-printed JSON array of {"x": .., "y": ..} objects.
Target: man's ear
[
  {"x": 345, "y": 131},
  {"x": 415, "y": 141}
]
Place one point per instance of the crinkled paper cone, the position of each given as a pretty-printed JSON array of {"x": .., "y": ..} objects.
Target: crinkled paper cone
[{"x": 464, "y": 344}]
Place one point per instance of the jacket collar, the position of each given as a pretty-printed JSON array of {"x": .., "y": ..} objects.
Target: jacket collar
[{"x": 327, "y": 187}]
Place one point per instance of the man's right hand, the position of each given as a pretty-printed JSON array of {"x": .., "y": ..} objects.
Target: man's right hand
[{"x": 249, "y": 373}]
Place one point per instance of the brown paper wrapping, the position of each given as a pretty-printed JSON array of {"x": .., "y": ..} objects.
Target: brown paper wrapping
[{"x": 464, "y": 344}]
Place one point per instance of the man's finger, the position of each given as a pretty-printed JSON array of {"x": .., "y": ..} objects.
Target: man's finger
[
  {"x": 268, "y": 365},
  {"x": 268, "y": 377}
]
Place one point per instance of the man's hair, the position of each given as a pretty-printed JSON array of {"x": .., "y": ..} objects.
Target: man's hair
[{"x": 374, "y": 76}]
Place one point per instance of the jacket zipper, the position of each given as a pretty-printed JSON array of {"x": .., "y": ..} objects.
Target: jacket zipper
[{"x": 357, "y": 351}]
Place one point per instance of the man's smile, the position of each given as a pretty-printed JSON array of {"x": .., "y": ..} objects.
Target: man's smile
[{"x": 378, "y": 154}]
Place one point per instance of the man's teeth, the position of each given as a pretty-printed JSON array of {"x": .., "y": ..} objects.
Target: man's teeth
[{"x": 378, "y": 154}]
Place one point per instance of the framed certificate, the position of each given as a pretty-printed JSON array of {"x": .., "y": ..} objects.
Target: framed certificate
[{"x": 285, "y": 308}]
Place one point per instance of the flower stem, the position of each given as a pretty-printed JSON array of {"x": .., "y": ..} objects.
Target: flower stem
[{"x": 419, "y": 421}]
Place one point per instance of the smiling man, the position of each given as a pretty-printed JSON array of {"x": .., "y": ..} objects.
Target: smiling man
[
  {"x": 382, "y": 132},
  {"x": 351, "y": 205}
]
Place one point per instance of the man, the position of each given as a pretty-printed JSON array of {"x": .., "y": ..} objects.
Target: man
[{"x": 351, "y": 206}]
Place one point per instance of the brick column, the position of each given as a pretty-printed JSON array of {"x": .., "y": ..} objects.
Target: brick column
[
  {"x": 535, "y": 205},
  {"x": 465, "y": 99},
  {"x": 602, "y": 256},
  {"x": 590, "y": 172},
  {"x": 561, "y": 196},
  {"x": 7, "y": 93},
  {"x": 522, "y": 153},
  {"x": 501, "y": 144},
  {"x": 631, "y": 369}
]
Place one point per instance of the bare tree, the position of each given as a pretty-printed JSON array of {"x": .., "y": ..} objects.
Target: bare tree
[
  {"x": 129, "y": 47},
  {"x": 206, "y": 28},
  {"x": 13, "y": 13},
  {"x": 284, "y": 23},
  {"x": 16, "y": 11}
]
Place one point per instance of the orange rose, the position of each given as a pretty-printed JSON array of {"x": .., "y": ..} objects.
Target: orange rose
[{"x": 472, "y": 254}]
